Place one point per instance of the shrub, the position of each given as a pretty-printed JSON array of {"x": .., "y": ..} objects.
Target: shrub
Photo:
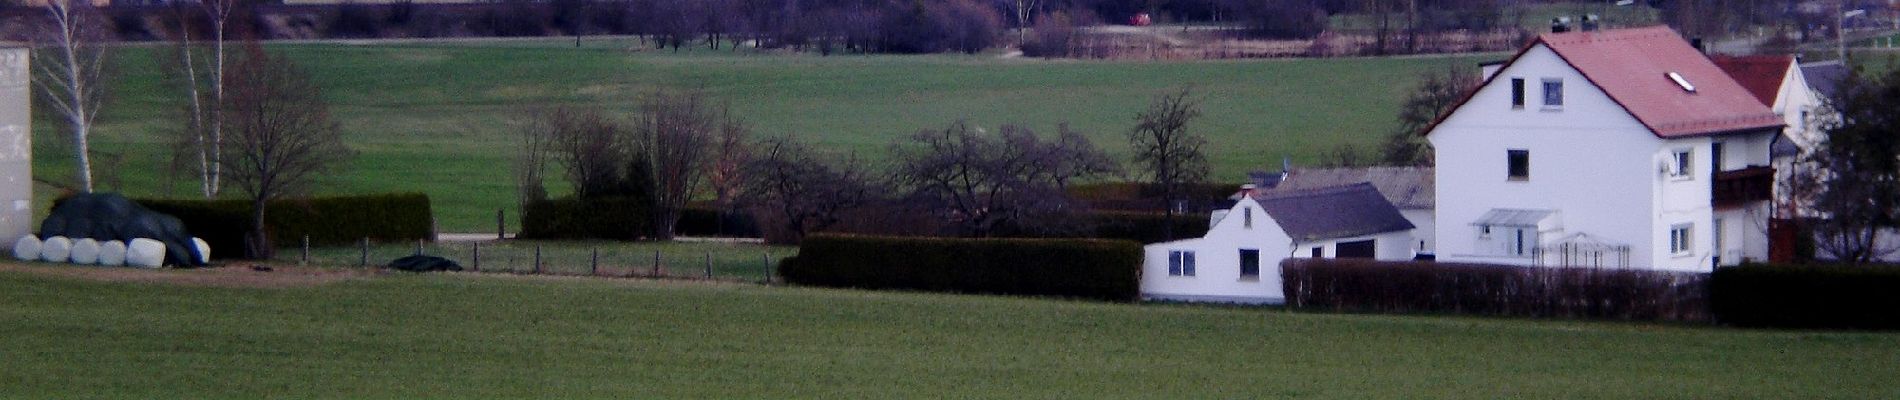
[
  {"x": 707, "y": 221},
  {"x": 617, "y": 218},
  {"x": 328, "y": 221},
  {"x": 1096, "y": 269},
  {"x": 1146, "y": 227},
  {"x": 1815, "y": 296},
  {"x": 1408, "y": 287}
]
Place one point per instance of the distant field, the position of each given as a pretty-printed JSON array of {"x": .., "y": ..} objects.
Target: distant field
[
  {"x": 512, "y": 337},
  {"x": 432, "y": 116}
]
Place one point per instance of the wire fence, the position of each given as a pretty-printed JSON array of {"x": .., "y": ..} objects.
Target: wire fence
[{"x": 700, "y": 261}]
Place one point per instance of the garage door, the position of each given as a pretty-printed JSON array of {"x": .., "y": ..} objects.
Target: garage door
[{"x": 1359, "y": 249}]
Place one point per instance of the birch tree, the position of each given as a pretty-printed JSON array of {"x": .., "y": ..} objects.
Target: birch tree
[
  {"x": 70, "y": 75},
  {"x": 204, "y": 88}
]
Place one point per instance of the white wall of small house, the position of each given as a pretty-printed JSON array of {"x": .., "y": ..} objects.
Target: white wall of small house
[
  {"x": 1604, "y": 172},
  {"x": 1217, "y": 275},
  {"x": 1424, "y": 233},
  {"x": 1217, "y": 257}
]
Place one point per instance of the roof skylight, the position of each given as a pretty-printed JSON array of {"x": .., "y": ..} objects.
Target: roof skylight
[{"x": 1680, "y": 81}]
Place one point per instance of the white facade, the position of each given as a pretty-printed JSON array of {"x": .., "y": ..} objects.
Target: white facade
[
  {"x": 1593, "y": 169},
  {"x": 1216, "y": 273},
  {"x": 16, "y": 145}
]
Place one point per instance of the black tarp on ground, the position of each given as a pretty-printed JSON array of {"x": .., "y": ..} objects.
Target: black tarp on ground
[
  {"x": 109, "y": 216},
  {"x": 421, "y": 263}
]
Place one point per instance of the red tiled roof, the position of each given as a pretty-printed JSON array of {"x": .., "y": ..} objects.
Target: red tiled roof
[
  {"x": 1632, "y": 67},
  {"x": 1761, "y": 75}
]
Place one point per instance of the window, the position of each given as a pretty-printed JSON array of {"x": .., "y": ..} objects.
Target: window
[
  {"x": 1180, "y": 263},
  {"x": 1519, "y": 248},
  {"x": 1802, "y": 125},
  {"x": 1553, "y": 93},
  {"x": 1683, "y": 166},
  {"x": 1319, "y": 252},
  {"x": 1246, "y": 214},
  {"x": 1484, "y": 231},
  {"x": 1715, "y": 156},
  {"x": 1249, "y": 263},
  {"x": 1680, "y": 240},
  {"x": 1518, "y": 164},
  {"x": 1517, "y": 93}
]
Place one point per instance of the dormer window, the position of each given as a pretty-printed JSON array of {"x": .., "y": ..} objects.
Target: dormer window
[{"x": 1680, "y": 81}]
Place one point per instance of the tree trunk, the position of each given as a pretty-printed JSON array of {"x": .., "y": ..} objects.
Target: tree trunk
[{"x": 258, "y": 243}]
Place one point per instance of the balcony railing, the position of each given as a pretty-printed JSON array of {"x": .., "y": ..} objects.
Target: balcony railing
[{"x": 1742, "y": 186}]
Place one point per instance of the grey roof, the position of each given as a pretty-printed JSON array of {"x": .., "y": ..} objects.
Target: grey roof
[
  {"x": 1783, "y": 146},
  {"x": 1512, "y": 217},
  {"x": 1408, "y": 188},
  {"x": 1331, "y": 213},
  {"x": 1825, "y": 76}
]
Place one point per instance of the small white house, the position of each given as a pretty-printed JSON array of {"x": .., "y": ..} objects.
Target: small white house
[
  {"x": 1238, "y": 261},
  {"x": 1408, "y": 188},
  {"x": 1614, "y": 148}
]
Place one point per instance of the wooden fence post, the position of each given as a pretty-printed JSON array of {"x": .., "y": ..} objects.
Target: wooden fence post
[
  {"x": 501, "y": 223},
  {"x": 476, "y": 259},
  {"x": 306, "y": 251},
  {"x": 364, "y": 260},
  {"x": 593, "y": 267},
  {"x": 765, "y": 260},
  {"x": 537, "y": 259},
  {"x": 656, "y": 263},
  {"x": 709, "y": 265}
]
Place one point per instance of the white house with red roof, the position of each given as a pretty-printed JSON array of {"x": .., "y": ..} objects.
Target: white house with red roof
[{"x": 1614, "y": 148}]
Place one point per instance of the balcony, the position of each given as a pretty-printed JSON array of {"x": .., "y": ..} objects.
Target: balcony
[{"x": 1742, "y": 186}]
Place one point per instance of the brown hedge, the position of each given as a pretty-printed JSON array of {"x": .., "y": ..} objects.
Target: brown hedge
[
  {"x": 1554, "y": 292},
  {"x": 1086, "y": 268}
]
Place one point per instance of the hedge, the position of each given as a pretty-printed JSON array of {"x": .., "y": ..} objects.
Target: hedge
[
  {"x": 707, "y": 221},
  {"x": 1560, "y": 292},
  {"x": 328, "y": 221},
  {"x": 1085, "y": 268},
  {"x": 1147, "y": 227},
  {"x": 616, "y": 218},
  {"x": 1808, "y": 296}
]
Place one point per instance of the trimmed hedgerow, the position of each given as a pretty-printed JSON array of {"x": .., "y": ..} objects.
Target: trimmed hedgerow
[
  {"x": 329, "y": 221},
  {"x": 616, "y": 218},
  {"x": 707, "y": 221},
  {"x": 1807, "y": 296},
  {"x": 1481, "y": 289},
  {"x": 1146, "y": 227},
  {"x": 1086, "y": 268}
]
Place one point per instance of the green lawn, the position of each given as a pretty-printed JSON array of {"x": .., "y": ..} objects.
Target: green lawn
[
  {"x": 461, "y": 336},
  {"x": 433, "y": 117}
]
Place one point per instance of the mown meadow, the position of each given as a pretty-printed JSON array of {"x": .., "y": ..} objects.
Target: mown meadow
[{"x": 435, "y": 116}]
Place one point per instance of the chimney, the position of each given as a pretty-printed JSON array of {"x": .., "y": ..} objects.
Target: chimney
[
  {"x": 1246, "y": 190},
  {"x": 1560, "y": 25}
]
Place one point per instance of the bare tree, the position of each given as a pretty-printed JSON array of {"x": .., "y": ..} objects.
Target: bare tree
[
  {"x": 1860, "y": 196},
  {"x": 801, "y": 192},
  {"x": 71, "y": 73},
  {"x": 1166, "y": 151},
  {"x": 980, "y": 183},
  {"x": 1024, "y": 9},
  {"x": 533, "y": 155},
  {"x": 279, "y": 136},
  {"x": 676, "y": 134},
  {"x": 1433, "y": 97},
  {"x": 202, "y": 79},
  {"x": 594, "y": 151}
]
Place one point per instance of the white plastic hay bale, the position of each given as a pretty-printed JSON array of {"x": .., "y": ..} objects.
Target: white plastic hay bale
[
  {"x": 85, "y": 251},
  {"x": 56, "y": 249},
  {"x": 112, "y": 253},
  {"x": 27, "y": 248},
  {"x": 145, "y": 253},
  {"x": 204, "y": 250}
]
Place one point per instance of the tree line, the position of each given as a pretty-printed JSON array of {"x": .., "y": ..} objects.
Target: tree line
[{"x": 958, "y": 179}]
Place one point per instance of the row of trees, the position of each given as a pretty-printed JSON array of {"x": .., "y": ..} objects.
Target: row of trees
[
  {"x": 257, "y": 122},
  {"x": 965, "y": 180}
]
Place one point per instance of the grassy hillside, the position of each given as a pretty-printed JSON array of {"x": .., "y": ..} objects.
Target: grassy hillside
[
  {"x": 433, "y": 116},
  {"x": 491, "y": 337}
]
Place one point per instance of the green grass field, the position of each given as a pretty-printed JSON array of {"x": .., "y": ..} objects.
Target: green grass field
[
  {"x": 433, "y": 117},
  {"x": 461, "y": 336}
]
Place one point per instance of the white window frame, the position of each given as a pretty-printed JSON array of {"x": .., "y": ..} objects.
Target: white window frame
[
  {"x": 1681, "y": 240},
  {"x": 1548, "y": 94},
  {"x": 1682, "y": 164},
  {"x": 1181, "y": 263}
]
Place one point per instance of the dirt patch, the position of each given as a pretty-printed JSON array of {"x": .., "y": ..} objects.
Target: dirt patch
[{"x": 230, "y": 275}]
